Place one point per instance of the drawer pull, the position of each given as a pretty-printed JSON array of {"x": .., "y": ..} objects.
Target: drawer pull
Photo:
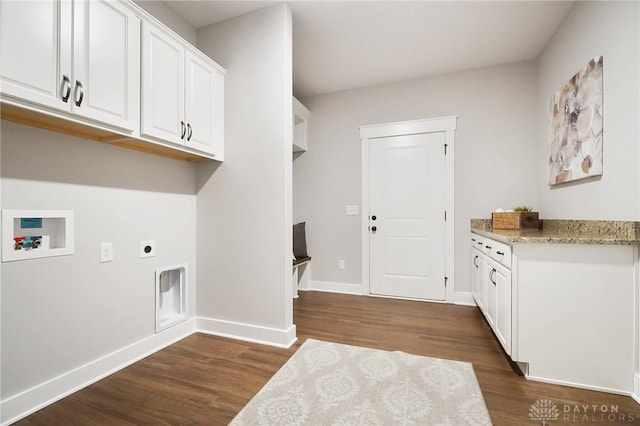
[
  {"x": 479, "y": 243},
  {"x": 487, "y": 247},
  {"x": 501, "y": 253}
]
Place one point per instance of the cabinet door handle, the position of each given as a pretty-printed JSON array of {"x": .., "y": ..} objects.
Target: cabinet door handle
[
  {"x": 491, "y": 274},
  {"x": 75, "y": 93},
  {"x": 66, "y": 83},
  {"x": 184, "y": 129},
  {"x": 190, "y": 131},
  {"x": 501, "y": 253},
  {"x": 474, "y": 261}
]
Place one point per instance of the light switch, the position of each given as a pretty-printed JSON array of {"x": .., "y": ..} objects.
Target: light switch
[{"x": 352, "y": 210}]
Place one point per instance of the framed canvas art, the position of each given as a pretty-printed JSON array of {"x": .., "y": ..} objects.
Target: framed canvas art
[{"x": 575, "y": 131}]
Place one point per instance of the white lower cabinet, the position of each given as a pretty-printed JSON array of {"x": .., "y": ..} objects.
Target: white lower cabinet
[
  {"x": 491, "y": 286},
  {"x": 499, "y": 290},
  {"x": 564, "y": 312}
]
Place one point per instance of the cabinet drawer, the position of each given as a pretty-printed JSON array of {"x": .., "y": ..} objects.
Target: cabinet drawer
[{"x": 499, "y": 252}]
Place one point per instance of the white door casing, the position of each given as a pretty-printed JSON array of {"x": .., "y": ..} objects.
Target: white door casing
[
  {"x": 445, "y": 127},
  {"x": 407, "y": 237}
]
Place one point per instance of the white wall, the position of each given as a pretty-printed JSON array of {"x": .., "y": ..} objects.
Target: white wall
[
  {"x": 61, "y": 313},
  {"x": 495, "y": 147},
  {"x": 591, "y": 29},
  {"x": 167, "y": 16},
  {"x": 244, "y": 207}
]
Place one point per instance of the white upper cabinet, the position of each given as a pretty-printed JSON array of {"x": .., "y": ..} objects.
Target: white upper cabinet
[
  {"x": 106, "y": 63},
  {"x": 29, "y": 53},
  {"x": 80, "y": 57},
  {"x": 107, "y": 70},
  {"x": 182, "y": 93},
  {"x": 204, "y": 106},
  {"x": 162, "y": 85}
]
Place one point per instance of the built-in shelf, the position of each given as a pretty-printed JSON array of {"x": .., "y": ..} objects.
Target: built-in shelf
[
  {"x": 31, "y": 234},
  {"x": 300, "y": 126}
]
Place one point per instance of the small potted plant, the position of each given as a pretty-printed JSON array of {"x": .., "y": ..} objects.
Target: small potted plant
[{"x": 521, "y": 217}]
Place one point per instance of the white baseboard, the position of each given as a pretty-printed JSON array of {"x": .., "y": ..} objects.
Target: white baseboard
[
  {"x": 464, "y": 298},
  {"x": 579, "y": 385},
  {"x": 248, "y": 332},
  {"x": 636, "y": 388},
  {"x": 21, "y": 405},
  {"x": 333, "y": 287}
]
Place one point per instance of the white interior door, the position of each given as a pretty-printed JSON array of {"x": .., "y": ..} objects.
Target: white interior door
[{"x": 407, "y": 199}]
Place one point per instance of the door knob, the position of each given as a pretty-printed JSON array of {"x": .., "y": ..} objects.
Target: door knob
[{"x": 374, "y": 229}]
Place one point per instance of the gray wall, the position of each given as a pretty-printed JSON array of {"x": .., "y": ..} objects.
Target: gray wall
[
  {"x": 244, "y": 206},
  {"x": 495, "y": 145},
  {"x": 60, "y": 313},
  {"x": 590, "y": 29}
]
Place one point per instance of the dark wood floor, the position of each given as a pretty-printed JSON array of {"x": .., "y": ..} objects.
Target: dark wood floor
[{"x": 206, "y": 380}]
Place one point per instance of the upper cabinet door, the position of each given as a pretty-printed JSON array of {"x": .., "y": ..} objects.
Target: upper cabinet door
[
  {"x": 106, "y": 80},
  {"x": 162, "y": 86},
  {"x": 203, "y": 100},
  {"x": 31, "y": 49}
]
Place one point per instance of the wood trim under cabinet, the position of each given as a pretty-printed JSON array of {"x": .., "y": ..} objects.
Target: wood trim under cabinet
[{"x": 34, "y": 118}]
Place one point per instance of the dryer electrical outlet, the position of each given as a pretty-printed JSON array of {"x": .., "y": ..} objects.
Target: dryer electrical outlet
[{"x": 148, "y": 248}]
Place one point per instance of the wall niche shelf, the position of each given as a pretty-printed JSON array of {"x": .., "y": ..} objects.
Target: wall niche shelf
[
  {"x": 32, "y": 234},
  {"x": 300, "y": 126}
]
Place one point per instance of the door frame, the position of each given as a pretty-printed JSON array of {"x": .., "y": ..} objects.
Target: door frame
[{"x": 446, "y": 125}]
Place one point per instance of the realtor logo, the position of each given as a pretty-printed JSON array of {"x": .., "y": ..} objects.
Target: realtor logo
[{"x": 543, "y": 410}]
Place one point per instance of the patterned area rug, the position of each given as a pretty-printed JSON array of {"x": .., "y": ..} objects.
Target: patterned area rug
[{"x": 333, "y": 384}]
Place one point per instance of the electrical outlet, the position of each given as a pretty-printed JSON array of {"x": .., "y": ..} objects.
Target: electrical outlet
[
  {"x": 106, "y": 252},
  {"x": 341, "y": 265},
  {"x": 148, "y": 248}
]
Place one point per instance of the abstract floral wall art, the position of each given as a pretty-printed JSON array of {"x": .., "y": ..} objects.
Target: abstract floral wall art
[{"x": 575, "y": 131}]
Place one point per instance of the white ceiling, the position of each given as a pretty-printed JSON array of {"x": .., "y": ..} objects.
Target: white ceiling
[{"x": 340, "y": 45}]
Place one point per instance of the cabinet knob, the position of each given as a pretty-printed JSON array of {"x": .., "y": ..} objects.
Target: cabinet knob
[
  {"x": 374, "y": 217},
  {"x": 374, "y": 228}
]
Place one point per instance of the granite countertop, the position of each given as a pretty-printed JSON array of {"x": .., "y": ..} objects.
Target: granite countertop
[{"x": 565, "y": 232}]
